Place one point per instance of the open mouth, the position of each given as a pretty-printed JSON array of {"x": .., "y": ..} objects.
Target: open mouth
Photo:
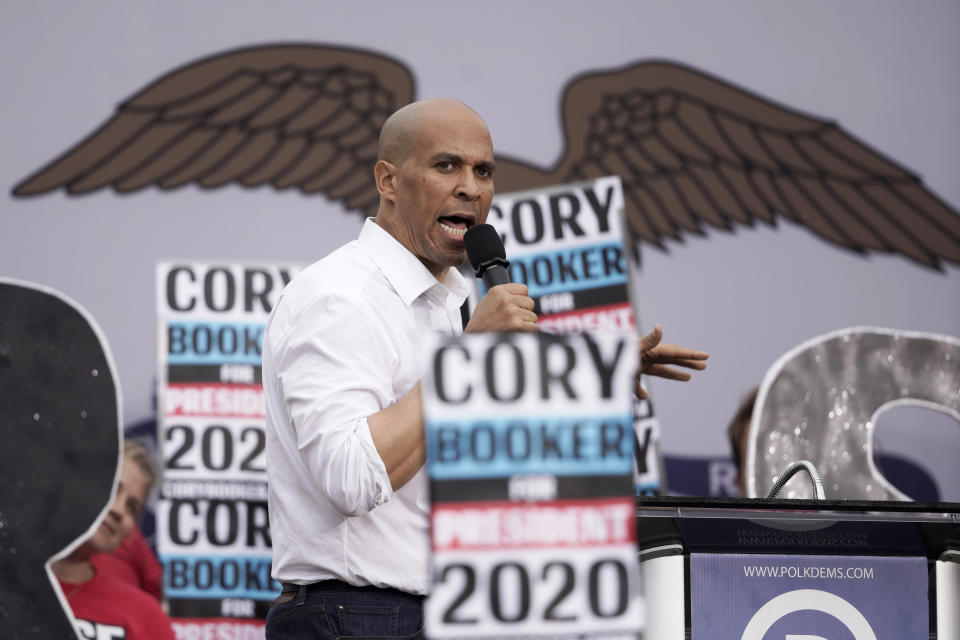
[{"x": 455, "y": 225}]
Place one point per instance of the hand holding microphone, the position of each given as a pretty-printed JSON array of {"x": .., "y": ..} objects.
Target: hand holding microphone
[{"x": 506, "y": 306}]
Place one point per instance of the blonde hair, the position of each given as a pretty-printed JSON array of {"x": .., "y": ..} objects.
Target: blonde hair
[{"x": 139, "y": 454}]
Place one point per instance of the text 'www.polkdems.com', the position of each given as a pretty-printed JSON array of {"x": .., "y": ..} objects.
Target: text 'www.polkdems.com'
[{"x": 823, "y": 573}]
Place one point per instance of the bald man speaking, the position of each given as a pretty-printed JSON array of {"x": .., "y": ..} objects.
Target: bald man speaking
[{"x": 343, "y": 354}]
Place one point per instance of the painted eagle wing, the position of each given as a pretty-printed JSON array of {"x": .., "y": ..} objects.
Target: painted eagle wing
[
  {"x": 291, "y": 116},
  {"x": 693, "y": 150}
]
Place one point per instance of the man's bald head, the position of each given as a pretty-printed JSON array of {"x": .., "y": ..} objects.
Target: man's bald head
[
  {"x": 434, "y": 173},
  {"x": 400, "y": 132}
]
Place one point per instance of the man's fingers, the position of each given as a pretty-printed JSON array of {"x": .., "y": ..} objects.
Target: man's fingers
[
  {"x": 513, "y": 288},
  {"x": 671, "y": 354},
  {"x": 652, "y": 339},
  {"x": 667, "y": 350},
  {"x": 513, "y": 293},
  {"x": 660, "y": 359},
  {"x": 525, "y": 302},
  {"x": 523, "y": 320},
  {"x": 664, "y": 371},
  {"x": 699, "y": 365}
]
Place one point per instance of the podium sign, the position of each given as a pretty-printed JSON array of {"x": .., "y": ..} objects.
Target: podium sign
[
  {"x": 748, "y": 569},
  {"x": 766, "y": 596},
  {"x": 530, "y": 457}
]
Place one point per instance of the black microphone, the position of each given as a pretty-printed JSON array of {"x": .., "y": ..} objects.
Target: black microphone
[{"x": 486, "y": 254}]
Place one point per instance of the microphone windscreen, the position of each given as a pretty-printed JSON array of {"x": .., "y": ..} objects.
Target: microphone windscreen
[{"x": 483, "y": 244}]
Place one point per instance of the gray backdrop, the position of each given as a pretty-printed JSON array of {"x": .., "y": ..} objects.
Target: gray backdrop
[{"x": 886, "y": 71}]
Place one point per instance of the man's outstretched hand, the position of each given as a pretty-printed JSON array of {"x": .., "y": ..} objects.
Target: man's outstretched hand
[{"x": 661, "y": 359}]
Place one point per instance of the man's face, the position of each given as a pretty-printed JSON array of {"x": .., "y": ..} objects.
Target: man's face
[
  {"x": 444, "y": 187},
  {"x": 124, "y": 510}
]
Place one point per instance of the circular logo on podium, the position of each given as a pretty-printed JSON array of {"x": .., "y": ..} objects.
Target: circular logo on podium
[{"x": 811, "y": 600}]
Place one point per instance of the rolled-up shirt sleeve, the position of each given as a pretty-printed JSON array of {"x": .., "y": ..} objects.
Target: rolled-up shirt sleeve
[{"x": 335, "y": 369}]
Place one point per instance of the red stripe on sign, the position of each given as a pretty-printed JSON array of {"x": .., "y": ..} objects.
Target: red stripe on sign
[
  {"x": 221, "y": 400},
  {"x": 613, "y": 317},
  {"x": 512, "y": 525}
]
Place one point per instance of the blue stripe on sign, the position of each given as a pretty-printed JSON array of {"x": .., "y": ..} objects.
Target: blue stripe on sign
[
  {"x": 502, "y": 447},
  {"x": 570, "y": 269},
  {"x": 214, "y": 343},
  {"x": 188, "y": 576}
]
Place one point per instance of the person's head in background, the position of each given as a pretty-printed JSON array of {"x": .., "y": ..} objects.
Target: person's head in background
[
  {"x": 138, "y": 454},
  {"x": 137, "y": 477},
  {"x": 737, "y": 432}
]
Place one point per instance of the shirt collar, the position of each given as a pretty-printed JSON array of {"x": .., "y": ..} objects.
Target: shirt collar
[{"x": 403, "y": 270}]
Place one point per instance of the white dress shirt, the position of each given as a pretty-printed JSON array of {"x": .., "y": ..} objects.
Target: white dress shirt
[{"x": 346, "y": 339}]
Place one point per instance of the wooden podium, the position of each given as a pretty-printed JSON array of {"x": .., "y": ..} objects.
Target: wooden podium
[{"x": 672, "y": 530}]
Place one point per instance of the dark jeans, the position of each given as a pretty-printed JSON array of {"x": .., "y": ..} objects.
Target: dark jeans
[{"x": 334, "y": 609}]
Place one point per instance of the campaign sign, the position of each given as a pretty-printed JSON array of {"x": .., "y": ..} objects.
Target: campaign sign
[
  {"x": 213, "y": 534},
  {"x": 771, "y": 597},
  {"x": 530, "y": 456},
  {"x": 566, "y": 243}
]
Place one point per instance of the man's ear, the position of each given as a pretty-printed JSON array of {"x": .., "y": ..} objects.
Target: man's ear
[{"x": 385, "y": 174}]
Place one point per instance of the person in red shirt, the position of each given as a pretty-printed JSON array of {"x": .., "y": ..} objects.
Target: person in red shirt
[
  {"x": 134, "y": 562},
  {"x": 103, "y": 605}
]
